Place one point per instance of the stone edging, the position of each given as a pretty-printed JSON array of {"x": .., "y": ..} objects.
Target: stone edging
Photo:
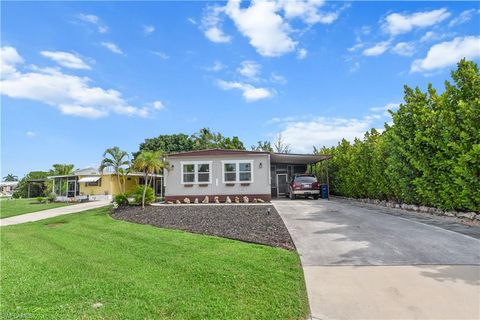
[{"x": 423, "y": 209}]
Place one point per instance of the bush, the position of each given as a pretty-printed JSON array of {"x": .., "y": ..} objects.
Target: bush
[
  {"x": 40, "y": 199},
  {"x": 121, "y": 199},
  {"x": 138, "y": 192},
  {"x": 51, "y": 197}
]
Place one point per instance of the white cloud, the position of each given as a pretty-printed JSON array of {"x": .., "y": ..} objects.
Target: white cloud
[
  {"x": 278, "y": 78},
  {"x": 393, "y": 106},
  {"x": 398, "y": 23},
  {"x": 448, "y": 53},
  {"x": 192, "y": 21},
  {"x": 404, "y": 49},
  {"x": 161, "y": 54},
  {"x": 66, "y": 59},
  {"x": 212, "y": 24},
  {"x": 302, "y": 53},
  {"x": 354, "y": 67},
  {"x": 112, "y": 47},
  {"x": 9, "y": 58},
  {"x": 217, "y": 66},
  {"x": 463, "y": 17},
  {"x": 249, "y": 69},
  {"x": 158, "y": 105},
  {"x": 30, "y": 134},
  {"x": 328, "y": 132},
  {"x": 356, "y": 46},
  {"x": 377, "y": 49},
  {"x": 94, "y": 20},
  {"x": 148, "y": 30},
  {"x": 249, "y": 92},
  {"x": 71, "y": 94}
]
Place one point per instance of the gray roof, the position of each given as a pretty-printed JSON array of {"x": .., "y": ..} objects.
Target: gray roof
[{"x": 292, "y": 158}]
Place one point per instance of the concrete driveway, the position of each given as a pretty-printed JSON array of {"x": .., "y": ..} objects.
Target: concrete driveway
[{"x": 366, "y": 262}]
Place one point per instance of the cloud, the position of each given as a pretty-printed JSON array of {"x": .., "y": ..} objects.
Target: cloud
[
  {"x": 266, "y": 23},
  {"x": 94, "y": 20},
  {"x": 249, "y": 69},
  {"x": 158, "y": 105},
  {"x": 404, "y": 49},
  {"x": 463, "y": 17},
  {"x": 148, "y": 30},
  {"x": 70, "y": 94},
  {"x": 377, "y": 49},
  {"x": 66, "y": 59},
  {"x": 30, "y": 134},
  {"x": 302, "y": 53},
  {"x": 354, "y": 67},
  {"x": 212, "y": 24},
  {"x": 192, "y": 21},
  {"x": 384, "y": 110},
  {"x": 448, "y": 53},
  {"x": 216, "y": 67},
  {"x": 397, "y": 23},
  {"x": 328, "y": 131},
  {"x": 277, "y": 78},
  {"x": 161, "y": 54},
  {"x": 249, "y": 92},
  {"x": 112, "y": 47}
]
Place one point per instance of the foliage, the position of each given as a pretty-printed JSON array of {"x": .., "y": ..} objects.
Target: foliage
[
  {"x": 40, "y": 199},
  {"x": 263, "y": 146},
  {"x": 430, "y": 155},
  {"x": 51, "y": 197},
  {"x": 138, "y": 192},
  {"x": 61, "y": 169},
  {"x": 10, "y": 177},
  {"x": 203, "y": 139},
  {"x": 279, "y": 144},
  {"x": 118, "y": 161},
  {"x": 121, "y": 199},
  {"x": 150, "y": 163},
  {"x": 21, "y": 191}
]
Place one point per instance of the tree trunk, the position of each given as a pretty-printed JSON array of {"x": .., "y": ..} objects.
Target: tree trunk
[
  {"x": 118, "y": 181},
  {"x": 145, "y": 190}
]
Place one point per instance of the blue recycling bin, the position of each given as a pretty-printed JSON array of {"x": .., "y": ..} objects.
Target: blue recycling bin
[{"x": 324, "y": 191}]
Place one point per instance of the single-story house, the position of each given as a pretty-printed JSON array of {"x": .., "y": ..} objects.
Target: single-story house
[
  {"x": 7, "y": 187},
  {"x": 94, "y": 185},
  {"x": 233, "y": 173}
]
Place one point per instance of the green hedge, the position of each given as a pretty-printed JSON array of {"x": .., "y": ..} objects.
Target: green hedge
[{"x": 430, "y": 155}]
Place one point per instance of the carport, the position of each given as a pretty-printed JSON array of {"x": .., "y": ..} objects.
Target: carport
[{"x": 283, "y": 166}]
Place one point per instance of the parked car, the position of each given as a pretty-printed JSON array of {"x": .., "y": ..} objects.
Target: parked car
[{"x": 305, "y": 185}]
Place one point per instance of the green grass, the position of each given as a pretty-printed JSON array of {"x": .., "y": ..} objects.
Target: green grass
[
  {"x": 60, "y": 267},
  {"x": 15, "y": 207}
]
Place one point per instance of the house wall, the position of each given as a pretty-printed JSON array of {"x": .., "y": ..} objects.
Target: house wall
[
  {"x": 108, "y": 186},
  {"x": 259, "y": 188}
]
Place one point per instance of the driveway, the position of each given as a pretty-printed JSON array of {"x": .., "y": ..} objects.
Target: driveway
[
  {"x": 366, "y": 262},
  {"x": 45, "y": 214}
]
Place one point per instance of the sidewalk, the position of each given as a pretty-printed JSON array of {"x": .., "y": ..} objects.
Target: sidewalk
[{"x": 45, "y": 214}]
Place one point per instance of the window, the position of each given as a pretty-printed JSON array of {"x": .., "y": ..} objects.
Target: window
[
  {"x": 230, "y": 172},
  {"x": 196, "y": 172},
  {"x": 237, "y": 171},
  {"x": 97, "y": 183}
]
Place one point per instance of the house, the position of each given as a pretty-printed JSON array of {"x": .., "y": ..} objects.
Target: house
[
  {"x": 94, "y": 185},
  {"x": 7, "y": 187},
  {"x": 222, "y": 173}
]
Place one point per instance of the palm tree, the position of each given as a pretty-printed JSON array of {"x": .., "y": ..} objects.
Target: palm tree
[
  {"x": 10, "y": 177},
  {"x": 149, "y": 162},
  {"x": 61, "y": 169},
  {"x": 117, "y": 160}
]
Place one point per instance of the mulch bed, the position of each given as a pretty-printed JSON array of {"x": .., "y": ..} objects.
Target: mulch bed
[{"x": 250, "y": 223}]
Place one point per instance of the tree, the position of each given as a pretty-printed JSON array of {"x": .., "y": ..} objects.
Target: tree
[
  {"x": 38, "y": 189},
  {"x": 117, "y": 160},
  {"x": 10, "y": 177},
  {"x": 61, "y": 169},
  {"x": 150, "y": 163},
  {"x": 167, "y": 143},
  {"x": 263, "y": 146},
  {"x": 279, "y": 144}
]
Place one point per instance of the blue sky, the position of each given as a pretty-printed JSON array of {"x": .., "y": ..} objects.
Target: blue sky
[{"x": 80, "y": 77}]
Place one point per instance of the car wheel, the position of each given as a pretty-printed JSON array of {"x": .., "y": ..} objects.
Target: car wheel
[{"x": 315, "y": 197}]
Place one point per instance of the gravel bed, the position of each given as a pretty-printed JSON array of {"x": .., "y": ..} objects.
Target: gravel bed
[{"x": 250, "y": 223}]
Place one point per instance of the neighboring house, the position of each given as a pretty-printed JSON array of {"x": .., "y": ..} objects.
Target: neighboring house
[
  {"x": 7, "y": 187},
  {"x": 94, "y": 185},
  {"x": 222, "y": 173}
]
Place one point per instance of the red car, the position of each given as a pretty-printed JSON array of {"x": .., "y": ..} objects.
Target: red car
[{"x": 304, "y": 185}]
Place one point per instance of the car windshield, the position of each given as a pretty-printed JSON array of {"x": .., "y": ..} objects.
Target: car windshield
[{"x": 305, "y": 179}]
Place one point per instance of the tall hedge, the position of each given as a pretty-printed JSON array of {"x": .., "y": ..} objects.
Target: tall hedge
[{"x": 430, "y": 155}]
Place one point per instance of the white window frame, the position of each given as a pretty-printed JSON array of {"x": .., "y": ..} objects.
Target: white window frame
[
  {"x": 195, "y": 171},
  {"x": 237, "y": 171}
]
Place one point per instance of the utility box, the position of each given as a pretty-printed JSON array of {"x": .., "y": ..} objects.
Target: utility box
[{"x": 324, "y": 191}]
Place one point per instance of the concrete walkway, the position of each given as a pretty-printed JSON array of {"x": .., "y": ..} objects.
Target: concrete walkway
[
  {"x": 364, "y": 263},
  {"x": 45, "y": 214}
]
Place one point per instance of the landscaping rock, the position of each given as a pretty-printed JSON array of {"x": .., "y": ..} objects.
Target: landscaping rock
[
  {"x": 250, "y": 223},
  {"x": 477, "y": 217},
  {"x": 466, "y": 215}
]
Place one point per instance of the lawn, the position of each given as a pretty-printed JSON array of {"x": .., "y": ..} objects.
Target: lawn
[
  {"x": 15, "y": 207},
  {"x": 90, "y": 266}
]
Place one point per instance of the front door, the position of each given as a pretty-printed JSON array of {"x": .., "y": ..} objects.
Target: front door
[{"x": 282, "y": 184}]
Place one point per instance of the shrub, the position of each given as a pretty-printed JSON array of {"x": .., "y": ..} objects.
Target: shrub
[
  {"x": 138, "y": 192},
  {"x": 40, "y": 199},
  {"x": 51, "y": 197},
  {"x": 121, "y": 199}
]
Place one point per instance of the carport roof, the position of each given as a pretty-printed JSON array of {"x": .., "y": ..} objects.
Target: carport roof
[{"x": 292, "y": 158}]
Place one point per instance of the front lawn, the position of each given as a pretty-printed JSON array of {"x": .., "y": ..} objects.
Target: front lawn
[
  {"x": 90, "y": 266},
  {"x": 15, "y": 207}
]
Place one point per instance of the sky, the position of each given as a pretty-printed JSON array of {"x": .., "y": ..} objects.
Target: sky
[{"x": 79, "y": 77}]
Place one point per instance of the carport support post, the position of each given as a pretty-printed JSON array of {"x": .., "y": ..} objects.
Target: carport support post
[{"x": 328, "y": 186}]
